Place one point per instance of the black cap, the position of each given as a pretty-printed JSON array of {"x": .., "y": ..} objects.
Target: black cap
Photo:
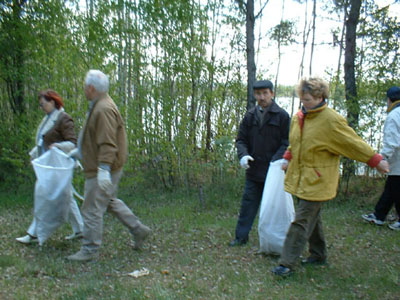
[
  {"x": 263, "y": 84},
  {"x": 393, "y": 93}
]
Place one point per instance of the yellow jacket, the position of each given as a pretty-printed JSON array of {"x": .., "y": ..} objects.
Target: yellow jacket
[{"x": 317, "y": 139}]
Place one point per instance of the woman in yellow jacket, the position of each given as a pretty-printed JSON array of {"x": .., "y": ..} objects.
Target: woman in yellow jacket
[{"x": 318, "y": 137}]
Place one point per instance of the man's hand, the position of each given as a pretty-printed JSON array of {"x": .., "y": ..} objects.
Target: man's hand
[
  {"x": 244, "y": 161},
  {"x": 383, "y": 167},
  {"x": 74, "y": 154},
  {"x": 104, "y": 180}
]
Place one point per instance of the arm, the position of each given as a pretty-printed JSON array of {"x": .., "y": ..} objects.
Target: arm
[
  {"x": 106, "y": 138},
  {"x": 284, "y": 135},
  {"x": 345, "y": 142},
  {"x": 242, "y": 141},
  {"x": 66, "y": 127}
]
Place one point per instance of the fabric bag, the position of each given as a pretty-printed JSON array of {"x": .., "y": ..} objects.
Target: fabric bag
[
  {"x": 53, "y": 191},
  {"x": 277, "y": 211}
]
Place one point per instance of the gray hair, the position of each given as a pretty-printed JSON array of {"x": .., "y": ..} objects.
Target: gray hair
[{"x": 98, "y": 80}]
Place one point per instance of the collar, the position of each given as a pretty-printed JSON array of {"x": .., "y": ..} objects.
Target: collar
[
  {"x": 394, "y": 105},
  {"x": 316, "y": 109}
]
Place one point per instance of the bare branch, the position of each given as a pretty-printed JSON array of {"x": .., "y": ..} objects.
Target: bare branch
[{"x": 261, "y": 10}]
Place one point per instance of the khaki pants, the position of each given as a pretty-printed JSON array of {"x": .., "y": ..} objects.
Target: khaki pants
[
  {"x": 95, "y": 205},
  {"x": 307, "y": 226}
]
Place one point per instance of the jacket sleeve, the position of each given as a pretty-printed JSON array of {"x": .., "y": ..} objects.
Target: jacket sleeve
[
  {"x": 242, "y": 140},
  {"x": 67, "y": 129},
  {"x": 106, "y": 138},
  {"x": 346, "y": 142},
  {"x": 284, "y": 135},
  {"x": 391, "y": 137}
]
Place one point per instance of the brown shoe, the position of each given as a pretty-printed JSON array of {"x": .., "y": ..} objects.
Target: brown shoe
[{"x": 140, "y": 234}]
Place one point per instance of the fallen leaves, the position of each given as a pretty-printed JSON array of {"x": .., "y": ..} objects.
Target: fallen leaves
[{"x": 139, "y": 273}]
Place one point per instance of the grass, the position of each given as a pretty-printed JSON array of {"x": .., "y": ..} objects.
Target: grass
[{"x": 188, "y": 257}]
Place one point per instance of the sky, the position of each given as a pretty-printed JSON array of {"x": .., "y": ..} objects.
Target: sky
[{"x": 325, "y": 56}]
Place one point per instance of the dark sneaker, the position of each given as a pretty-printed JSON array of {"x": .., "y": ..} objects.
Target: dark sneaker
[
  {"x": 237, "y": 242},
  {"x": 372, "y": 219},
  {"x": 282, "y": 271},
  {"x": 313, "y": 261}
]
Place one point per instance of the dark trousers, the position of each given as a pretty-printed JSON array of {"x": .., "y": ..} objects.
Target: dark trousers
[
  {"x": 248, "y": 210},
  {"x": 307, "y": 227},
  {"x": 390, "y": 196}
]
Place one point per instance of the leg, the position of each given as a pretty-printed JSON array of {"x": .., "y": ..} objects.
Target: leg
[
  {"x": 32, "y": 228},
  {"x": 395, "y": 193},
  {"x": 93, "y": 209},
  {"x": 74, "y": 216},
  {"x": 386, "y": 201},
  {"x": 300, "y": 230},
  {"x": 317, "y": 244},
  {"x": 250, "y": 203},
  {"x": 119, "y": 209}
]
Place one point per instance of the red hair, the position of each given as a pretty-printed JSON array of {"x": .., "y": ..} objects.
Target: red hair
[{"x": 49, "y": 95}]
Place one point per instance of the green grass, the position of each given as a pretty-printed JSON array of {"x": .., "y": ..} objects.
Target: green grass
[{"x": 188, "y": 257}]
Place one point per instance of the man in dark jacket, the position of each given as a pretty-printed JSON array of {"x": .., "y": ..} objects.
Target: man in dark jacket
[{"x": 262, "y": 138}]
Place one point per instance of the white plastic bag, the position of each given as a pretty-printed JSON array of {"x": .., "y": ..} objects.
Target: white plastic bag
[
  {"x": 54, "y": 171},
  {"x": 277, "y": 211}
]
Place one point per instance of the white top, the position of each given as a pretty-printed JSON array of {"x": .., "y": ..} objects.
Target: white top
[{"x": 391, "y": 141}]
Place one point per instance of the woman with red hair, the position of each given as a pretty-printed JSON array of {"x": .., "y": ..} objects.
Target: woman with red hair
[{"x": 55, "y": 130}]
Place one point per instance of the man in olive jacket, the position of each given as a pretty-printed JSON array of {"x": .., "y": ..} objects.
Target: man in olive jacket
[
  {"x": 102, "y": 146},
  {"x": 262, "y": 138}
]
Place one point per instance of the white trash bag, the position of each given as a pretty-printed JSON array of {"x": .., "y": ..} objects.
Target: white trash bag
[
  {"x": 53, "y": 190},
  {"x": 277, "y": 211}
]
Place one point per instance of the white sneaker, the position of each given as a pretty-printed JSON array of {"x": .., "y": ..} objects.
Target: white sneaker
[
  {"x": 75, "y": 235},
  {"x": 82, "y": 255},
  {"x": 395, "y": 226},
  {"x": 27, "y": 239},
  {"x": 372, "y": 219}
]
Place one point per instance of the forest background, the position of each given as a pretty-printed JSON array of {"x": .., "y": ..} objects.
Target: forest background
[{"x": 180, "y": 74}]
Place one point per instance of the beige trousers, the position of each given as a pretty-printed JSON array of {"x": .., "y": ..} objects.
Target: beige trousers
[{"x": 95, "y": 205}]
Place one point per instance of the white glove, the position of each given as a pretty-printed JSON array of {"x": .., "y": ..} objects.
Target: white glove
[
  {"x": 74, "y": 154},
  {"x": 244, "y": 161},
  {"x": 104, "y": 180}
]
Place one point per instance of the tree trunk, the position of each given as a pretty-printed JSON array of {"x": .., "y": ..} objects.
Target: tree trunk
[
  {"x": 251, "y": 66},
  {"x": 313, "y": 34},
  {"x": 353, "y": 107}
]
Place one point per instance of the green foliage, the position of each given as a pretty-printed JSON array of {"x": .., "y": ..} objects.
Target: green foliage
[
  {"x": 177, "y": 75},
  {"x": 284, "y": 32}
]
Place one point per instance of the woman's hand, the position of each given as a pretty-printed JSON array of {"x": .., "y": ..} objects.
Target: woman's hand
[{"x": 383, "y": 167}]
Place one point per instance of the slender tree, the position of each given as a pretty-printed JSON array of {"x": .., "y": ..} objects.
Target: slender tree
[
  {"x": 248, "y": 10},
  {"x": 353, "y": 107}
]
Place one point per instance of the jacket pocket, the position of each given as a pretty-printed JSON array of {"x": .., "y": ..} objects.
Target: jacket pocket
[{"x": 310, "y": 177}]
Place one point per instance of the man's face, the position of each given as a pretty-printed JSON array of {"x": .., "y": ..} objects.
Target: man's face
[
  {"x": 389, "y": 102},
  {"x": 89, "y": 92},
  {"x": 263, "y": 97}
]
